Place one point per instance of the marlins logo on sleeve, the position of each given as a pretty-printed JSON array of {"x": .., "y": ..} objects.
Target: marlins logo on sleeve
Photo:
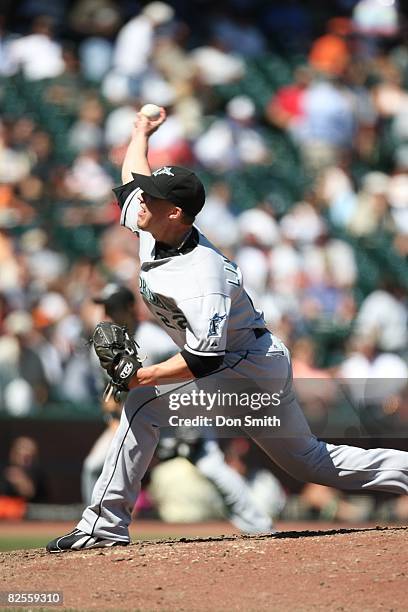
[{"x": 206, "y": 333}]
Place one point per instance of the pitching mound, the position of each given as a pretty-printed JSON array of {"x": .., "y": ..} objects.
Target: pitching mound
[{"x": 344, "y": 569}]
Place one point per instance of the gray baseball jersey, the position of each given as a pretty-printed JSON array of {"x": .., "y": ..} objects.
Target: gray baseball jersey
[{"x": 198, "y": 297}]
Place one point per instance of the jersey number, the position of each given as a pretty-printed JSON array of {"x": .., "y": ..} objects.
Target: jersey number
[{"x": 178, "y": 319}]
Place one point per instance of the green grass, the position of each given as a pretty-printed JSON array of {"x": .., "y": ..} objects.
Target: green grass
[{"x": 22, "y": 542}]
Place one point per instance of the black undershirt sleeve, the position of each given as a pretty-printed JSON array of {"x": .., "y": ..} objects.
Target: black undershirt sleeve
[{"x": 201, "y": 365}]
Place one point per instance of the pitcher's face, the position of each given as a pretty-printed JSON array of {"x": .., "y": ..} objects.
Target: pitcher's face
[{"x": 154, "y": 213}]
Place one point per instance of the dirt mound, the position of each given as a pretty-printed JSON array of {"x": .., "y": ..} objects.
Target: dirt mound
[{"x": 345, "y": 569}]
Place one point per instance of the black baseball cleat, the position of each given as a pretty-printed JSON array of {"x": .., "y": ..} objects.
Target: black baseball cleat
[{"x": 78, "y": 540}]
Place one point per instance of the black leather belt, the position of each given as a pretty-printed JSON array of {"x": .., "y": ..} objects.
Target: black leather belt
[{"x": 260, "y": 331}]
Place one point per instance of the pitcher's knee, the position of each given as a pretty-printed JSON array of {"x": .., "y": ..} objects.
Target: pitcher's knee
[{"x": 307, "y": 473}]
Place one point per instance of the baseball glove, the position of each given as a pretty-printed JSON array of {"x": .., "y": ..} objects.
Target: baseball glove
[{"x": 118, "y": 355}]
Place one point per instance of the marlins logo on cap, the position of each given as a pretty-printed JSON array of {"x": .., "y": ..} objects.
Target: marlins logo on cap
[{"x": 175, "y": 184}]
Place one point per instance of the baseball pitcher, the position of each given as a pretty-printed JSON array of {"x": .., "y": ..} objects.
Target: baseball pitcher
[{"x": 197, "y": 295}]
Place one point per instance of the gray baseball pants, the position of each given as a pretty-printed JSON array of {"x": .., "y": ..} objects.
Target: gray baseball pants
[{"x": 292, "y": 446}]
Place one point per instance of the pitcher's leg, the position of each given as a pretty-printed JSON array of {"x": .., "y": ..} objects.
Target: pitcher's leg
[
  {"x": 130, "y": 453},
  {"x": 296, "y": 450},
  {"x": 378, "y": 469}
]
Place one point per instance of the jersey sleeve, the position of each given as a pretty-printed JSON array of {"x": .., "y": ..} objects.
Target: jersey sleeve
[
  {"x": 128, "y": 200},
  {"x": 207, "y": 324}
]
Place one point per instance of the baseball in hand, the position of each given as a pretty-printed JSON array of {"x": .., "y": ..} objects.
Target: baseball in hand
[{"x": 151, "y": 111}]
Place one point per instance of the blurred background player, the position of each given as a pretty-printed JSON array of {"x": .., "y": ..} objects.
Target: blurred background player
[{"x": 22, "y": 479}]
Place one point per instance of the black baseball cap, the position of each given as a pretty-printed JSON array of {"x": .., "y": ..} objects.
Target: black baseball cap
[
  {"x": 178, "y": 185},
  {"x": 115, "y": 296}
]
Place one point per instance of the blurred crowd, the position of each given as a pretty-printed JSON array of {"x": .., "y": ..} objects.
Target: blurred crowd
[
  {"x": 328, "y": 267},
  {"x": 295, "y": 116}
]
